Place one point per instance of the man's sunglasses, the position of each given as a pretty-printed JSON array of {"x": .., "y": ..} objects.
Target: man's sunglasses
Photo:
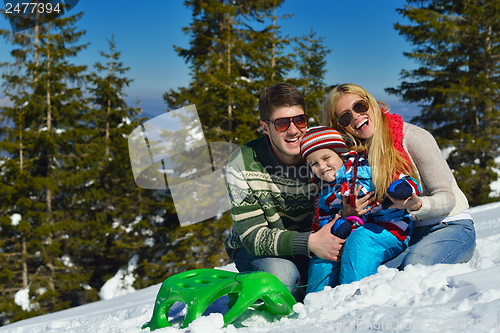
[
  {"x": 360, "y": 106},
  {"x": 282, "y": 124}
]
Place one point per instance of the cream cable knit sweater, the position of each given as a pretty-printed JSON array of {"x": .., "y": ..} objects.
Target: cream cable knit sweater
[{"x": 441, "y": 196}]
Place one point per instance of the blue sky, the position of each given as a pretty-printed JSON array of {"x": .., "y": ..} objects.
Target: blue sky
[{"x": 365, "y": 47}]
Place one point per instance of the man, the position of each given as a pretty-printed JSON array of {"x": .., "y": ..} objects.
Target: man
[{"x": 271, "y": 196}]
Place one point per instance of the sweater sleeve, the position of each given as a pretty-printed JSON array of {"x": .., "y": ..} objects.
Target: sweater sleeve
[
  {"x": 436, "y": 178},
  {"x": 256, "y": 227}
]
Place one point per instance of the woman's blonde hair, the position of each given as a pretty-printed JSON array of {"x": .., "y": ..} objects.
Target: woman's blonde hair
[{"x": 383, "y": 157}]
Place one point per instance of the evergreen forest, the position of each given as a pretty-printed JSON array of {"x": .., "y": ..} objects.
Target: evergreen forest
[{"x": 71, "y": 214}]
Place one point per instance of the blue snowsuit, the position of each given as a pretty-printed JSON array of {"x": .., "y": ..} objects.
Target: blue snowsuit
[{"x": 384, "y": 234}]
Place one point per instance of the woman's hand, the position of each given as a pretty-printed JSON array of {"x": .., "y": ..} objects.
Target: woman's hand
[
  {"x": 325, "y": 245},
  {"x": 411, "y": 203},
  {"x": 363, "y": 205}
]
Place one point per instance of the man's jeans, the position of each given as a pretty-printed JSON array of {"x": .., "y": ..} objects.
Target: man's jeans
[
  {"x": 444, "y": 243},
  {"x": 291, "y": 270}
]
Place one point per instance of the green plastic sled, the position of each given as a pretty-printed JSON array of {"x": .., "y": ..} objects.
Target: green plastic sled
[{"x": 201, "y": 287}]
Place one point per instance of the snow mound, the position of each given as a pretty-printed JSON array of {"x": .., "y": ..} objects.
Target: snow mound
[{"x": 458, "y": 298}]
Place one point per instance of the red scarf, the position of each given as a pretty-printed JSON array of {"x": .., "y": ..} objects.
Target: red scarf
[{"x": 395, "y": 124}]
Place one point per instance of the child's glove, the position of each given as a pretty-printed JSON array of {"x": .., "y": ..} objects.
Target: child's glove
[
  {"x": 345, "y": 225},
  {"x": 401, "y": 189},
  {"x": 341, "y": 228}
]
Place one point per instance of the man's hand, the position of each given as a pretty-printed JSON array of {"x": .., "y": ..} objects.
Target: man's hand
[
  {"x": 362, "y": 205},
  {"x": 325, "y": 245}
]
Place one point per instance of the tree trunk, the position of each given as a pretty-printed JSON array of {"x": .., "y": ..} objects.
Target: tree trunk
[
  {"x": 306, "y": 86},
  {"x": 49, "y": 118},
  {"x": 37, "y": 43},
  {"x": 25, "y": 265},
  {"x": 230, "y": 102},
  {"x": 109, "y": 106},
  {"x": 273, "y": 61}
]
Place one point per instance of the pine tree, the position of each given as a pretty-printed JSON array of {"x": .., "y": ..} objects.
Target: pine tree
[
  {"x": 115, "y": 215},
  {"x": 267, "y": 56},
  {"x": 16, "y": 182},
  {"x": 229, "y": 61},
  {"x": 311, "y": 65},
  {"x": 38, "y": 133},
  {"x": 456, "y": 44}
]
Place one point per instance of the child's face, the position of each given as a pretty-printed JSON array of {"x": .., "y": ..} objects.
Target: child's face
[{"x": 324, "y": 163}]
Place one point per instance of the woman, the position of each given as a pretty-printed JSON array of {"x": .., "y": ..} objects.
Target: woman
[{"x": 444, "y": 229}]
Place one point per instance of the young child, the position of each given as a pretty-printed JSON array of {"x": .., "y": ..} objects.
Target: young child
[{"x": 379, "y": 235}]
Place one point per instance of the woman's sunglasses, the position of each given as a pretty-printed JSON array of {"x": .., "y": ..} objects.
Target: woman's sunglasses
[
  {"x": 282, "y": 124},
  {"x": 360, "y": 106}
]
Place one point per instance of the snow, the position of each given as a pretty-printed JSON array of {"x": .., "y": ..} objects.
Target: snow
[
  {"x": 495, "y": 186},
  {"x": 447, "y": 151},
  {"x": 125, "y": 120},
  {"x": 15, "y": 218},
  {"x": 66, "y": 260},
  {"x": 458, "y": 298},
  {"x": 121, "y": 283},
  {"x": 22, "y": 298},
  {"x": 130, "y": 227}
]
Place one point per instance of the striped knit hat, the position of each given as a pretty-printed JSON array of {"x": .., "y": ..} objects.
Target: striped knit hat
[{"x": 322, "y": 137}]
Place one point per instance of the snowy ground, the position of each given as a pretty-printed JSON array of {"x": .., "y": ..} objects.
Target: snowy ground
[{"x": 458, "y": 298}]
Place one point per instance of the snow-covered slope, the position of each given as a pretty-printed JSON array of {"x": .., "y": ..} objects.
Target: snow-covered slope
[{"x": 458, "y": 298}]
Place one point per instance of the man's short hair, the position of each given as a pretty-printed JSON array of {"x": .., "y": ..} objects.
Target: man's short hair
[{"x": 279, "y": 95}]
